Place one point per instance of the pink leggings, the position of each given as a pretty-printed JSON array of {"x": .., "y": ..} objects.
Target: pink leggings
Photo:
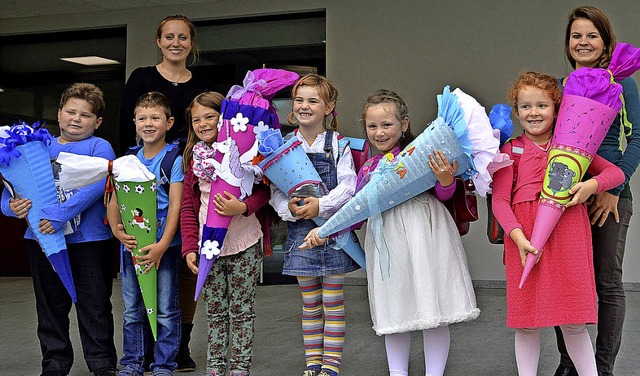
[{"x": 578, "y": 343}]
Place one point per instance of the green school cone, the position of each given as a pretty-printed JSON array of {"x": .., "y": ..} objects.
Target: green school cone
[{"x": 137, "y": 202}]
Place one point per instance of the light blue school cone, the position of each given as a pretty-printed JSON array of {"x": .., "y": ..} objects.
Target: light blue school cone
[
  {"x": 400, "y": 178},
  {"x": 26, "y": 170}
]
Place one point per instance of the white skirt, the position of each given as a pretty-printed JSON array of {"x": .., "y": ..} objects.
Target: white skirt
[{"x": 428, "y": 284}]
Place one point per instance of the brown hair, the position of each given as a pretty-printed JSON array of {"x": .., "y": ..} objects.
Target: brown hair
[
  {"x": 540, "y": 80},
  {"x": 154, "y": 99},
  {"x": 383, "y": 96},
  {"x": 602, "y": 23},
  {"x": 209, "y": 99},
  {"x": 88, "y": 92},
  {"x": 326, "y": 89},
  {"x": 195, "y": 50}
]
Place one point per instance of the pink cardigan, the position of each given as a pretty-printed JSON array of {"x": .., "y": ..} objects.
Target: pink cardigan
[
  {"x": 531, "y": 169},
  {"x": 189, "y": 224}
]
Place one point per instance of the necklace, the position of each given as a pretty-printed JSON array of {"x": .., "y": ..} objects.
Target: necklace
[{"x": 174, "y": 83}]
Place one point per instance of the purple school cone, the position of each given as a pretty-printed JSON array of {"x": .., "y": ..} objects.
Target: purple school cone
[
  {"x": 245, "y": 113},
  {"x": 26, "y": 171}
]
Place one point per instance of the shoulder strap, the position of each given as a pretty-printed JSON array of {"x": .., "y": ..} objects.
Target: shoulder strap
[
  {"x": 517, "y": 149},
  {"x": 133, "y": 150},
  {"x": 343, "y": 142},
  {"x": 166, "y": 165}
]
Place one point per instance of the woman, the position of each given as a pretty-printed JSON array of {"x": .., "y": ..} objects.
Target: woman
[
  {"x": 589, "y": 42},
  {"x": 176, "y": 39}
]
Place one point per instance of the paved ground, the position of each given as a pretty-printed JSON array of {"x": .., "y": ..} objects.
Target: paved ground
[{"x": 482, "y": 347}]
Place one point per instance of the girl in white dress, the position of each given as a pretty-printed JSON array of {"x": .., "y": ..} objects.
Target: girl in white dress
[{"x": 428, "y": 285}]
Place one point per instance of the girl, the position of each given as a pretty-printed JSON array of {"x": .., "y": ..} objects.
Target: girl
[
  {"x": 230, "y": 289},
  {"x": 560, "y": 289},
  {"x": 320, "y": 271},
  {"x": 429, "y": 286},
  {"x": 589, "y": 42}
]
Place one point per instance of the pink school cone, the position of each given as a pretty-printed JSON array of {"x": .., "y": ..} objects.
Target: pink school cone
[{"x": 546, "y": 219}]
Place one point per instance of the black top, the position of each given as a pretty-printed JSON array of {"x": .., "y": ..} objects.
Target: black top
[{"x": 145, "y": 79}]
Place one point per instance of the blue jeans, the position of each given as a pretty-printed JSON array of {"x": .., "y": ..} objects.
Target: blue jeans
[
  {"x": 608, "y": 253},
  {"x": 91, "y": 265},
  {"x": 135, "y": 317}
]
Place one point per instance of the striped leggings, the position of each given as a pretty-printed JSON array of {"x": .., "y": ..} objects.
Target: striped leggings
[{"x": 323, "y": 338}]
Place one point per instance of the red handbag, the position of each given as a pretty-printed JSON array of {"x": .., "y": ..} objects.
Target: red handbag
[{"x": 463, "y": 205}]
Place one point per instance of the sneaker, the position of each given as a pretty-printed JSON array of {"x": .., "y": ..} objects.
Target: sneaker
[
  {"x": 185, "y": 363},
  {"x": 310, "y": 372},
  {"x": 105, "y": 371},
  {"x": 324, "y": 373}
]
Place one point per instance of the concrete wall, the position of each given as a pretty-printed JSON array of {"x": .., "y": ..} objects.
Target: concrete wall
[{"x": 414, "y": 47}]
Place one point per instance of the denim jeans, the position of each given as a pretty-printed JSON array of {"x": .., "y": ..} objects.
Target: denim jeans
[
  {"x": 168, "y": 315},
  {"x": 91, "y": 265},
  {"x": 608, "y": 253}
]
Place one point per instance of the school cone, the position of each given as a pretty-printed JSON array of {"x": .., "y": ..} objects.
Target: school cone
[
  {"x": 245, "y": 113},
  {"x": 26, "y": 171},
  {"x": 137, "y": 202}
]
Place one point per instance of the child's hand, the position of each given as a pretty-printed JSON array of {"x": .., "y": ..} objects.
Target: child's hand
[
  {"x": 310, "y": 209},
  {"x": 191, "y": 259},
  {"x": 129, "y": 241},
  {"x": 20, "y": 207},
  {"x": 312, "y": 240},
  {"x": 524, "y": 245},
  {"x": 293, "y": 206},
  {"x": 601, "y": 205},
  {"x": 46, "y": 227},
  {"x": 442, "y": 169},
  {"x": 229, "y": 205},
  {"x": 153, "y": 257},
  {"x": 581, "y": 192}
]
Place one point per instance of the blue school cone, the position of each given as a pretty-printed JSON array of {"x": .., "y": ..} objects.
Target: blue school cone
[{"x": 26, "y": 171}]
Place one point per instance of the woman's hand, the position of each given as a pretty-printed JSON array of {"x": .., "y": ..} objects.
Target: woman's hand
[
  {"x": 312, "y": 240},
  {"x": 191, "y": 259},
  {"x": 581, "y": 192},
  {"x": 441, "y": 168},
  {"x": 601, "y": 205},
  {"x": 20, "y": 206},
  {"x": 229, "y": 205},
  {"x": 524, "y": 245}
]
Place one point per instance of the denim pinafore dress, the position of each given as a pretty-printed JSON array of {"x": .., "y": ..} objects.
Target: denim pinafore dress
[{"x": 324, "y": 259}]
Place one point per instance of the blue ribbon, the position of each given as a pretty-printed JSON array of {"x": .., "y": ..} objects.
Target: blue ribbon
[{"x": 20, "y": 134}]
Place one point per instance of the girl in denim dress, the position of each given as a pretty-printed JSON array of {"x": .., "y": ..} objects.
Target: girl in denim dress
[{"x": 320, "y": 270}]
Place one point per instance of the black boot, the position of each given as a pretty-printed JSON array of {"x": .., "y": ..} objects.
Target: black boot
[
  {"x": 565, "y": 371},
  {"x": 184, "y": 359}
]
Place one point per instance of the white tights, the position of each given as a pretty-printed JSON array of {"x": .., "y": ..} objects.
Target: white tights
[
  {"x": 578, "y": 343},
  {"x": 436, "y": 351}
]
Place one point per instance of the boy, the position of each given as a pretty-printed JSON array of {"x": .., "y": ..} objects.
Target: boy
[
  {"x": 152, "y": 121},
  {"x": 80, "y": 213}
]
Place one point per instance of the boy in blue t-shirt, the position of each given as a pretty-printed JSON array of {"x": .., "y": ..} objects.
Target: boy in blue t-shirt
[
  {"x": 80, "y": 214},
  {"x": 152, "y": 121}
]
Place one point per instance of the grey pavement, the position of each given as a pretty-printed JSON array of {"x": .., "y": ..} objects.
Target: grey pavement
[{"x": 481, "y": 347}]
